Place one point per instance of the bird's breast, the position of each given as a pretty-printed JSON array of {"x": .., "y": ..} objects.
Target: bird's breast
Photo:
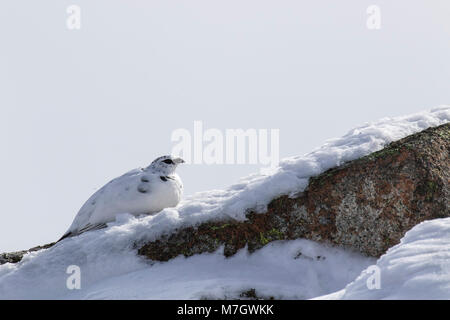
[{"x": 163, "y": 192}]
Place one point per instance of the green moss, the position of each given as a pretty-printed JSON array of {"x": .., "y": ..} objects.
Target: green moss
[
  {"x": 271, "y": 235},
  {"x": 388, "y": 151},
  {"x": 277, "y": 234},
  {"x": 320, "y": 179},
  {"x": 445, "y": 133},
  {"x": 431, "y": 188},
  {"x": 262, "y": 239},
  {"x": 410, "y": 146},
  {"x": 387, "y": 242},
  {"x": 220, "y": 227}
]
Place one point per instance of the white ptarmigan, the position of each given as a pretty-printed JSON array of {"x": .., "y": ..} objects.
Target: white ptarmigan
[{"x": 139, "y": 191}]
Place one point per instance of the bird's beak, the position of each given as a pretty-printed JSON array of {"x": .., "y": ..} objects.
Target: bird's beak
[{"x": 178, "y": 160}]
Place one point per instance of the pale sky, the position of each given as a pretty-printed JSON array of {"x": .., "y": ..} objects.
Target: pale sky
[{"x": 80, "y": 107}]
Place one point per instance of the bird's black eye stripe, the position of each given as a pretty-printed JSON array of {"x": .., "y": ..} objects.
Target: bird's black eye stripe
[
  {"x": 163, "y": 178},
  {"x": 168, "y": 161}
]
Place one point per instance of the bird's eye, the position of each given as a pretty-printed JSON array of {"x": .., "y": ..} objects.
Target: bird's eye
[{"x": 168, "y": 161}]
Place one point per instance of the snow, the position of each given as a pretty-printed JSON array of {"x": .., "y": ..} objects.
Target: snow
[
  {"x": 298, "y": 269},
  {"x": 111, "y": 269},
  {"x": 417, "y": 268},
  {"x": 283, "y": 270}
]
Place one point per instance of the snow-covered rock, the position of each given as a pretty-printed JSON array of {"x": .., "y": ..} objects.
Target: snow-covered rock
[
  {"x": 366, "y": 204},
  {"x": 111, "y": 268},
  {"x": 299, "y": 269}
]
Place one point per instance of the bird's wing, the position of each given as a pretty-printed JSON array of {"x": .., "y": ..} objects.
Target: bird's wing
[
  {"x": 82, "y": 220},
  {"x": 94, "y": 212},
  {"x": 85, "y": 213},
  {"x": 131, "y": 173}
]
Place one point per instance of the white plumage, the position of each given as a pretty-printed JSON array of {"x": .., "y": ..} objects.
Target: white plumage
[{"x": 139, "y": 191}]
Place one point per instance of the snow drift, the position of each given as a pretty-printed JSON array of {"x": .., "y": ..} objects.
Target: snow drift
[{"x": 417, "y": 268}]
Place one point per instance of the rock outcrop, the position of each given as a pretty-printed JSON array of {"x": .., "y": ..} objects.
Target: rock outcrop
[
  {"x": 367, "y": 204},
  {"x": 14, "y": 257}
]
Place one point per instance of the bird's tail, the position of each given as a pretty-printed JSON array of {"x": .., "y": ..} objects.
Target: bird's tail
[
  {"x": 86, "y": 228},
  {"x": 67, "y": 235}
]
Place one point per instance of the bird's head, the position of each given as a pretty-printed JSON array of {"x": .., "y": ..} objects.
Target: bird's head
[{"x": 166, "y": 165}]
